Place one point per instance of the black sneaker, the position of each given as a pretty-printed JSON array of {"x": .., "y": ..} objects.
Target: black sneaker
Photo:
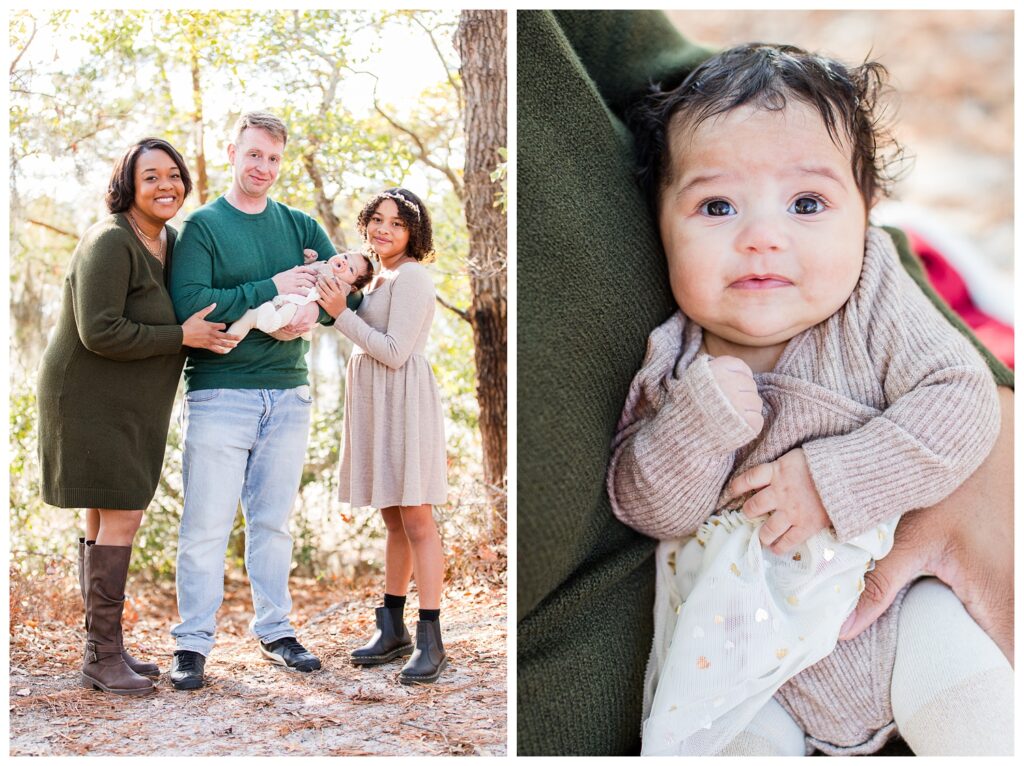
[
  {"x": 187, "y": 670},
  {"x": 289, "y": 652}
]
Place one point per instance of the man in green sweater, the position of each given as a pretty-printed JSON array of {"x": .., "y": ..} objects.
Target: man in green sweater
[{"x": 246, "y": 417}]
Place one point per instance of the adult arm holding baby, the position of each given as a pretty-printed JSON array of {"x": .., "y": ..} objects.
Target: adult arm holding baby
[{"x": 965, "y": 540}]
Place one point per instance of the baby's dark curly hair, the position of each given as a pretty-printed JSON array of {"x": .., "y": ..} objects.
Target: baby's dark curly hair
[
  {"x": 415, "y": 215},
  {"x": 367, "y": 276},
  {"x": 765, "y": 75}
]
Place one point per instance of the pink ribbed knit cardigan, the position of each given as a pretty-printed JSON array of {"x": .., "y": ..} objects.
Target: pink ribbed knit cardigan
[{"x": 893, "y": 408}]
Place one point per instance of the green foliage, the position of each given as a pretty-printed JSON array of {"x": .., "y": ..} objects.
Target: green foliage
[{"x": 38, "y": 533}]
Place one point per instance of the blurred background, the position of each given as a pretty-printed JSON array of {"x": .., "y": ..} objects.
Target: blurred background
[{"x": 951, "y": 74}]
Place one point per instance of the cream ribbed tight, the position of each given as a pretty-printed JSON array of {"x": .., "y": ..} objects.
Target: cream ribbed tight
[
  {"x": 952, "y": 689},
  {"x": 772, "y": 732}
]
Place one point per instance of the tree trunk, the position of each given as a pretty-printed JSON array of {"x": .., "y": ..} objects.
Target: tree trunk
[
  {"x": 324, "y": 204},
  {"x": 481, "y": 42}
]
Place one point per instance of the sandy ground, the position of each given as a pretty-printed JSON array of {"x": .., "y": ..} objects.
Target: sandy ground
[{"x": 250, "y": 707}]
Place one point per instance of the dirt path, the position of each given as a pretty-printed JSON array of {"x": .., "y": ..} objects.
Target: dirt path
[{"x": 250, "y": 707}]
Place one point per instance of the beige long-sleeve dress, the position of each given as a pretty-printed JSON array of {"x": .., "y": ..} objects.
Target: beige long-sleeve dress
[{"x": 393, "y": 448}]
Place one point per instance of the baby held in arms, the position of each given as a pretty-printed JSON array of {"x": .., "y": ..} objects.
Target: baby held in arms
[
  {"x": 351, "y": 268},
  {"x": 804, "y": 397}
]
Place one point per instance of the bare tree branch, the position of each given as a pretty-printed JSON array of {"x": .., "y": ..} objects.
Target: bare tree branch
[
  {"x": 31, "y": 37},
  {"x": 444, "y": 63},
  {"x": 461, "y": 313},
  {"x": 422, "y": 153},
  {"x": 53, "y": 228}
]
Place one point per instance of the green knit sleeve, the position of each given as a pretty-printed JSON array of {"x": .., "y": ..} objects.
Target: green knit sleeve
[
  {"x": 623, "y": 52},
  {"x": 192, "y": 278},
  {"x": 100, "y": 279}
]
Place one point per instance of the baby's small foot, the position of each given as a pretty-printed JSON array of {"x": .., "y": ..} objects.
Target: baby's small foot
[{"x": 269, "y": 319}]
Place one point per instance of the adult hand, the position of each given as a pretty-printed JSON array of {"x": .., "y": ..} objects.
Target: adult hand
[
  {"x": 736, "y": 380},
  {"x": 333, "y": 295},
  {"x": 785, "y": 491},
  {"x": 966, "y": 541},
  {"x": 302, "y": 322},
  {"x": 296, "y": 280},
  {"x": 198, "y": 333}
]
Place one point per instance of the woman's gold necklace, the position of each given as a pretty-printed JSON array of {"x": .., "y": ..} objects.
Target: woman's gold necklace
[{"x": 150, "y": 242}]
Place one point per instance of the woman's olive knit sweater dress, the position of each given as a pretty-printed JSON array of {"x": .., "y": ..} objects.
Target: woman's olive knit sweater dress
[{"x": 108, "y": 377}]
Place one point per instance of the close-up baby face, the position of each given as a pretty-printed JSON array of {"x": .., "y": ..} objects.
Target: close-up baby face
[
  {"x": 762, "y": 222},
  {"x": 346, "y": 266}
]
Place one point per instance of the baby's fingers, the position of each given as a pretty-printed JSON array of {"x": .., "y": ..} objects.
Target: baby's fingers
[
  {"x": 790, "y": 540},
  {"x": 775, "y": 530},
  {"x": 760, "y": 503},
  {"x": 754, "y": 478}
]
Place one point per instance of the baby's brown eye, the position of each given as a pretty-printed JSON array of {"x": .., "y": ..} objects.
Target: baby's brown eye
[
  {"x": 807, "y": 206},
  {"x": 718, "y": 207}
]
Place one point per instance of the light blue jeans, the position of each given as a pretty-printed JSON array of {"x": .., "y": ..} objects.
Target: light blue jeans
[{"x": 248, "y": 445}]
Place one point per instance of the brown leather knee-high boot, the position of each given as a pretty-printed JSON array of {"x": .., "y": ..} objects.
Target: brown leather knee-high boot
[
  {"x": 142, "y": 668},
  {"x": 106, "y": 570}
]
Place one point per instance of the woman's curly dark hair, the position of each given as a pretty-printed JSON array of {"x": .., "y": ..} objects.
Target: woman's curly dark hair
[
  {"x": 764, "y": 75},
  {"x": 121, "y": 188},
  {"x": 415, "y": 215}
]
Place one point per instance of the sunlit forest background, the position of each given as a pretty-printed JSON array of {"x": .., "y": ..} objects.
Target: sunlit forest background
[{"x": 372, "y": 99}]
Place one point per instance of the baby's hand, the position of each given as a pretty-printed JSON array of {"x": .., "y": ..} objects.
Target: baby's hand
[
  {"x": 309, "y": 256},
  {"x": 787, "y": 493},
  {"x": 737, "y": 383}
]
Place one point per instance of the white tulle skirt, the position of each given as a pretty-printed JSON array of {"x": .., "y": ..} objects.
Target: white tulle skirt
[{"x": 734, "y": 621}]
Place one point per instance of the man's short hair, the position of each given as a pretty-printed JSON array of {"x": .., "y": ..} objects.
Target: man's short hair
[{"x": 263, "y": 120}]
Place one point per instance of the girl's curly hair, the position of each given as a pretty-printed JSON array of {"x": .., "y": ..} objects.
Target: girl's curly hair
[
  {"x": 415, "y": 215},
  {"x": 765, "y": 75}
]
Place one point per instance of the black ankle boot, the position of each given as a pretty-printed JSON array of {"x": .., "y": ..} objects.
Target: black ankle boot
[
  {"x": 429, "y": 658},
  {"x": 390, "y": 641}
]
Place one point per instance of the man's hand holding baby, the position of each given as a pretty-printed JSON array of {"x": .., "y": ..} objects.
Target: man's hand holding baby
[
  {"x": 295, "y": 280},
  {"x": 303, "y": 321},
  {"x": 785, "y": 491}
]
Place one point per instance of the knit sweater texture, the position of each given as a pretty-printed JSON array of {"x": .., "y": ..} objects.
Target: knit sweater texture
[
  {"x": 893, "y": 410},
  {"x": 109, "y": 374},
  {"x": 592, "y": 285},
  {"x": 229, "y": 257}
]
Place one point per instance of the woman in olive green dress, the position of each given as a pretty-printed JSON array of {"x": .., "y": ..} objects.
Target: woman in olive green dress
[{"x": 106, "y": 388}]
